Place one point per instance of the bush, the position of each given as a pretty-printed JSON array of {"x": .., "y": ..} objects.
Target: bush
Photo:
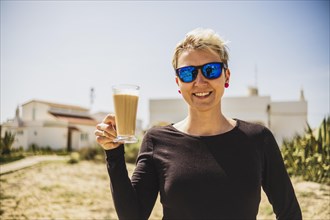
[
  {"x": 74, "y": 158},
  {"x": 61, "y": 152},
  {"x": 10, "y": 158},
  {"x": 96, "y": 152},
  {"x": 309, "y": 155},
  {"x": 92, "y": 153},
  {"x": 6, "y": 143},
  {"x": 131, "y": 152},
  {"x": 36, "y": 149},
  {"x": 33, "y": 148}
]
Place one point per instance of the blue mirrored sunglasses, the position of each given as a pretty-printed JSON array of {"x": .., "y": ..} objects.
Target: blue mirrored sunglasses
[{"x": 212, "y": 70}]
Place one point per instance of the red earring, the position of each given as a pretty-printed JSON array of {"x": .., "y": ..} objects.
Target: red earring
[
  {"x": 179, "y": 91},
  {"x": 226, "y": 85}
]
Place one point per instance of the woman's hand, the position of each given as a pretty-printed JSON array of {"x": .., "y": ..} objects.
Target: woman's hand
[{"x": 106, "y": 132}]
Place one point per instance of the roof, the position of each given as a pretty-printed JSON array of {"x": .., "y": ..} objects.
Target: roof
[
  {"x": 82, "y": 120},
  {"x": 58, "y": 105}
]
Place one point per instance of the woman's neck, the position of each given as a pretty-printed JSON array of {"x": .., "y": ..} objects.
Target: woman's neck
[{"x": 205, "y": 123}]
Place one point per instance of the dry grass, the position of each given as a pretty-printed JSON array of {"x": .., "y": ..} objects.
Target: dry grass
[{"x": 58, "y": 190}]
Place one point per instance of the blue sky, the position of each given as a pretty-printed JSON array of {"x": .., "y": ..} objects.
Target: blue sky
[{"x": 58, "y": 50}]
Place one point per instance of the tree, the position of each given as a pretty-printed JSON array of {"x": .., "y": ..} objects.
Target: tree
[{"x": 6, "y": 143}]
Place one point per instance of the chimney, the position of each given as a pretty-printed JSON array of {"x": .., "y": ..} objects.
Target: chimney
[{"x": 252, "y": 91}]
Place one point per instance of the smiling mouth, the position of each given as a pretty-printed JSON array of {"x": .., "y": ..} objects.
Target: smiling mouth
[{"x": 202, "y": 94}]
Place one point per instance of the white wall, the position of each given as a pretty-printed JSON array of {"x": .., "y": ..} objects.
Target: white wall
[
  {"x": 54, "y": 137},
  {"x": 167, "y": 110},
  {"x": 288, "y": 119},
  {"x": 86, "y": 136},
  {"x": 36, "y": 111},
  {"x": 253, "y": 108}
]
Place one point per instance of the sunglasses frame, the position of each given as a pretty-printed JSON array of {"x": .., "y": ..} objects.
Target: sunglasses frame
[{"x": 222, "y": 65}]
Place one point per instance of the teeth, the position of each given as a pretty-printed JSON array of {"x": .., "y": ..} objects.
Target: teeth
[{"x": 202, "y": 93}]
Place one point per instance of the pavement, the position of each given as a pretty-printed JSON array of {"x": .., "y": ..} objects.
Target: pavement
[{"x": 28, "y": 162}]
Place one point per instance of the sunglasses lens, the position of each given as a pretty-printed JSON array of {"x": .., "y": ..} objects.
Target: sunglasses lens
[
  {"x": 212, "y": 70},
  {"x": 187, "y": 74}
]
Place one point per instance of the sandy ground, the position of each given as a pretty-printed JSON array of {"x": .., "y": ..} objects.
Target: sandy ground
[{"x": 58, "y": 190}]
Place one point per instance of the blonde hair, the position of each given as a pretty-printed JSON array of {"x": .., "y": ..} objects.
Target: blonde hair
[{"x": 201, "y": 39}]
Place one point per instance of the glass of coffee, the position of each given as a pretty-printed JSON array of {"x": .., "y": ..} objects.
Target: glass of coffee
[{"x": 125, "y": 98}]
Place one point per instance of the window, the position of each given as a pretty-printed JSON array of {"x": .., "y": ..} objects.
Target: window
[{"x": 84, "y": 136}]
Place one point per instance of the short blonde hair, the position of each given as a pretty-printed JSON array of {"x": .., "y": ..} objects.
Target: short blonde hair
[{"x": 205, "y": 39}]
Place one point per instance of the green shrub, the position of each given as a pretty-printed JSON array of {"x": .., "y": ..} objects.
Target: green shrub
[
  {"x": 308, "y": 155},
  {"x": 74, "y": 158},
  {"x": 131, "y": 151},
  {"x": 33, "y": 148},
  {"x": 11, "y": 158},
  {"x": 95, "y": 153},
  {"x": 61, "y": 152},
  {"x": 37, "y": 150},
  {"x": 6, "y": 143}
]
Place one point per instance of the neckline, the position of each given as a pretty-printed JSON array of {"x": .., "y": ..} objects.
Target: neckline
[{"x": 207, "y": 136}]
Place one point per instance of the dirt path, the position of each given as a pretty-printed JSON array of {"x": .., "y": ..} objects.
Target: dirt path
[
  {"x": 28, "y": 162},
  {"x": 58, "y": 190}
]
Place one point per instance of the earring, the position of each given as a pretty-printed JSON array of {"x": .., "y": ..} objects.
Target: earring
[
  {"x": 179, "y": 91},
  {"x": 226, "y": 85}
]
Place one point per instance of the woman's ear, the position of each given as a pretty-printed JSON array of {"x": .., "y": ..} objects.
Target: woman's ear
[
  {"x": 177, "y": 80},
  {"x": 227, "y": 75}
]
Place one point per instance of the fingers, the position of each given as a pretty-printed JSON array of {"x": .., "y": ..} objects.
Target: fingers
[
  {"x": 109, "y": 119},
  {"x": 106, "y": 133},
  {"x": 107, "y": 143},
  {"x": 107, "y": 130}
]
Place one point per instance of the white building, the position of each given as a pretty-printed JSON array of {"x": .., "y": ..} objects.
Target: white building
[
  {"x": 53, "y": 125},
  {"x": 284, "y": 119}
]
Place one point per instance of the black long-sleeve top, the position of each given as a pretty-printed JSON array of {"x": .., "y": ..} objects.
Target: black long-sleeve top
[{"x": 203, "y": 177}]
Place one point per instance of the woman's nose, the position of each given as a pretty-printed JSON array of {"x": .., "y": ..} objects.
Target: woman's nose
[{"x": 200, "y": 78}]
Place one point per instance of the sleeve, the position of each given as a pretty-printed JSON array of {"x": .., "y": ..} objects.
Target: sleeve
[
  {"x": 276, "y": 182},
  {"x": 133, "y": 199}
]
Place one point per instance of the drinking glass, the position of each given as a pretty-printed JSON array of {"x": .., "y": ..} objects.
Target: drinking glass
[{"x": 125, "y": 98}]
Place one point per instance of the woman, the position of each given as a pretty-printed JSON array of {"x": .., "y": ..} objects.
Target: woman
[{"x": 206, "y": 166}]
